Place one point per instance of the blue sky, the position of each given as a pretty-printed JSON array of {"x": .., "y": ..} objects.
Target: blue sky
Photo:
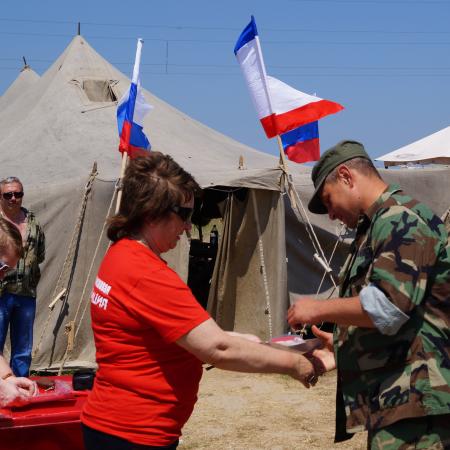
[{"x": 385, "y": 61}]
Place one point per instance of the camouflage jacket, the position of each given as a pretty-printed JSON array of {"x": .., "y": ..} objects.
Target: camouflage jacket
[
  {"x": 403, "y": 249},
  {"x": 24, "y": 279}
]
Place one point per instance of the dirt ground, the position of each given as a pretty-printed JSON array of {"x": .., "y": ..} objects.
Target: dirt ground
[{"x": 258, "y": 412}]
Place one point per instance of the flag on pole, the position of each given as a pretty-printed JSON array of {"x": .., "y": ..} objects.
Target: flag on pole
[
  {"x": 280, "y": 107},
  {"x": 302, "y": 144},
  {"x": 131, "y": 111}
]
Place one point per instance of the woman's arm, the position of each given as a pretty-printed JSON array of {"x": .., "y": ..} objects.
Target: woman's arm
[{"x": 209, "y": 343}]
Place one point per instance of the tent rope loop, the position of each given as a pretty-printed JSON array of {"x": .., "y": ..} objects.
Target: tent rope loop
[
  {"x": 75, "y": 325},
  {"x": 302, "y": 216},
  {"x": 342, "y": 231},
  {"x": 62, "y": 286}
]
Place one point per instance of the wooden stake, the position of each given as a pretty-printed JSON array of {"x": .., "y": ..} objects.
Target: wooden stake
[{"x": 58, "y": 297}]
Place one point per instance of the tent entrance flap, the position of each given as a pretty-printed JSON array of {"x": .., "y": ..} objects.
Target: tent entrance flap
[{"x": 237, "y": 298}]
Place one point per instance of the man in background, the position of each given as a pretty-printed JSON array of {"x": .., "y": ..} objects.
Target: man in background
[{"x": 18, "y": 288}]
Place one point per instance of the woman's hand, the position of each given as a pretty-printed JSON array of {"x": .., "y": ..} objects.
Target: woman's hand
[{"x": 304, "y": 372}]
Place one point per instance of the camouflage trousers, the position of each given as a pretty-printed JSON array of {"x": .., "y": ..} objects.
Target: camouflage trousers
[{"x": 431, "y": 433}]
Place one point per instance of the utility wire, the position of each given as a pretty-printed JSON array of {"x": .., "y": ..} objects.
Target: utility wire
[
  {"x": 228, "y": 42},
  {"x": 221, "y": 28},
  {"x": 273, "y": 66},
  {"x": 379, "y": 2},
  {"x": 234, "y": 67}
]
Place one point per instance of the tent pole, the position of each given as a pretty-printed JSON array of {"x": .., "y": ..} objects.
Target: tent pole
[
  {"x": 122, "y": 173},
  {"x": 288, "y": 186}
]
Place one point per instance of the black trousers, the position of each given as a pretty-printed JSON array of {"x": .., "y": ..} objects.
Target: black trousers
[{"x": 97, "y": 440}]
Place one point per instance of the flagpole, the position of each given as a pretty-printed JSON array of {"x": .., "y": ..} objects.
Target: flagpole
[
  {"x": 284, "y": 167},
  {"x": 282, "y": 155},
  {"x": 135, "y": 80},
  {"x": 262, "y": 69},
  {"x": 122, "y": 173},
  {"x": 286, "y": 182}
]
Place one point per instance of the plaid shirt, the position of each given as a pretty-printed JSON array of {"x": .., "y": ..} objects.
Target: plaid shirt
[{"x": 24, "y": 279}]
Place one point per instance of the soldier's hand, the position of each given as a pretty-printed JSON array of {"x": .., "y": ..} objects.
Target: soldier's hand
[
  {"x": 304, "y": 311},
  {"x": 326, "y": 353}
]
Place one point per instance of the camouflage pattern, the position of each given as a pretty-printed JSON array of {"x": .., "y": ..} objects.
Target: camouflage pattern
[
  {"x": 402, "y": 248},
  {"x": 431, "y": 433},
  {"x": 25, "y": 278}
]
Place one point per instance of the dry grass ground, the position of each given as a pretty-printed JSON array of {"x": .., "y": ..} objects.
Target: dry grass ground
[{"x": 256, "y": 412}]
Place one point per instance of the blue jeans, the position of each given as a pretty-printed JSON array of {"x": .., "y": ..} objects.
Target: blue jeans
[{"x": 18, "y": 311}]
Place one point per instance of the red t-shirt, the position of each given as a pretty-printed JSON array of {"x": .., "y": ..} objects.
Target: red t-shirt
[{"x": 146, "y": 385}]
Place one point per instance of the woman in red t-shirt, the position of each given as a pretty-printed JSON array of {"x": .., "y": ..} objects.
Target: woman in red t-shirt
[{"x": 151, "y": 334}]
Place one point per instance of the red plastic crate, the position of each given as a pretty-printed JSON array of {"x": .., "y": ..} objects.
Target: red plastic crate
[{"x": 51, "y": 425}]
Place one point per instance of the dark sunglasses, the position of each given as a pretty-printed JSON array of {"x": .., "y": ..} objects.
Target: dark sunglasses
[
  {"x": 10, "y": 195},
  {"x": 185, "y": 214},
  {"x": 4, "y": 267}
]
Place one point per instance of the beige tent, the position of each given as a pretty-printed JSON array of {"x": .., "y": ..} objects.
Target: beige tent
[
  {"x": 66, "y": 121},
  {"x": 26, "y": 78}
]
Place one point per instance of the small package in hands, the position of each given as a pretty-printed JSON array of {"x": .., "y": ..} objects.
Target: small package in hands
[{"x": 295, "y": 342}]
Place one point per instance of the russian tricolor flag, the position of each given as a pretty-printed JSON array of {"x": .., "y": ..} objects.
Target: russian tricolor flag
[
  {"x": 302, "y": 144},
  {"x": 131, "y": 111},
  {"x": 280, "y": 107}
]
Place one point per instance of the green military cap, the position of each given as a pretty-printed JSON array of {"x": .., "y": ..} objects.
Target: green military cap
[{"x": 341, "y": 152}]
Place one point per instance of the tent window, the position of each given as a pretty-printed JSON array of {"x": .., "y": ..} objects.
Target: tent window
[{"x": 99, "y": 90}]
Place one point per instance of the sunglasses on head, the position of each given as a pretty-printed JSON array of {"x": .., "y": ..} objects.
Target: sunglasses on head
[
  {"x": 10, "y": 195},
  {"x": 4, "y": 267},
  {"x": 185, "y": 214}
]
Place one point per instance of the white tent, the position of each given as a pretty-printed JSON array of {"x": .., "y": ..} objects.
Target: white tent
[{"x": 431, "y": 149}]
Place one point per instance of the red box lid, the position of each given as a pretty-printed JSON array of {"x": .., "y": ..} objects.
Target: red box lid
[{"x": 45, "y": 413}]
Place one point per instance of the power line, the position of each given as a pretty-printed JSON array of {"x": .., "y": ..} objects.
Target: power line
[
  {"x": 380, "y": 2},
  {"x": 229, "y": 42},
  {"x": 296, "y": 75},
  {"x": 234, "y": 29},
  {"x": 236, "y": 67}
]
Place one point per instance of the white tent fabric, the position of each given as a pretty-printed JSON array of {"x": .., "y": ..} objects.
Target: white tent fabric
[{"x": 431, "y": 149}]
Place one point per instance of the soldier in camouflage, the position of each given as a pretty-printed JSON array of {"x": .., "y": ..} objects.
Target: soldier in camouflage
[
  {"x": 18, "y": 288},
  {"x": 392, "y": 335}
]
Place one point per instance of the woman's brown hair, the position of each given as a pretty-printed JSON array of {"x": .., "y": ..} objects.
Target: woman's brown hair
[{"x": 152, "y": 185}]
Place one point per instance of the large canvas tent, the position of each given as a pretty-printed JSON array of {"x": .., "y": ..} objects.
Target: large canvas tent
[{"x": 65, "y": 122}]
